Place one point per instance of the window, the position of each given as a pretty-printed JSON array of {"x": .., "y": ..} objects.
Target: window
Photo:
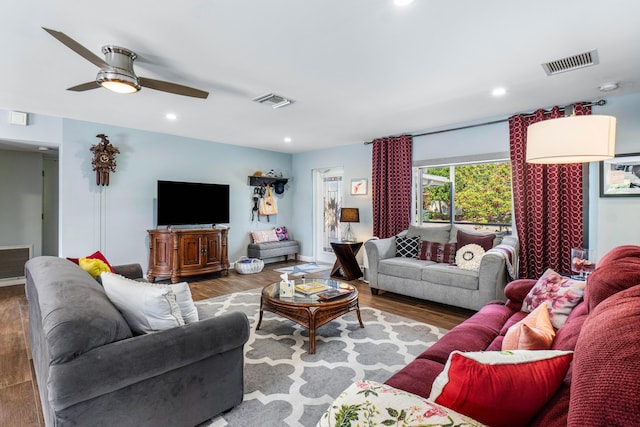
[{"x": 474, "y": 196}]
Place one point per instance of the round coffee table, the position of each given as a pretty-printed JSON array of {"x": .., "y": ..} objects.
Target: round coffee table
[{"x": 309, "y": 310}]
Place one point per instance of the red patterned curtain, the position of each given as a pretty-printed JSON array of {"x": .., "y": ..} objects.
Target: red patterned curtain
[
  {"x": 391, "y": 184},
  {"x": 547, "y": 201}
]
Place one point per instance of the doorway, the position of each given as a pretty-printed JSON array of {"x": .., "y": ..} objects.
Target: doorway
[{"x": 327, "y": 184}]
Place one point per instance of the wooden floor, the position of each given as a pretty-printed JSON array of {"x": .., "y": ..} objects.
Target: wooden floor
[{"x": 19, "y": 401}]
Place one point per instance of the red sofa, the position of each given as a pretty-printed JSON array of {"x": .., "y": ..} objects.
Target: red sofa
[{"x": 602, "y": 386}]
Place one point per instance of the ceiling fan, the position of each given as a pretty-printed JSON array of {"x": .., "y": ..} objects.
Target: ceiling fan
[{"x": 116, "y": 71}]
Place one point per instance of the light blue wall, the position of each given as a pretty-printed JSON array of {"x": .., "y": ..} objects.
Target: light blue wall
[
  {"x": 615, "y": 221},
  {"x": 492, "y": 138},
  {"x": 115, "y": 218},
  {"x": 40, "y": 130},
  {"x": 356, "y": 161}
]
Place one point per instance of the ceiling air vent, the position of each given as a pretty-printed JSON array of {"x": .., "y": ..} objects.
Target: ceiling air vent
[
  {"x": 570, "y": 63},
  {"x": 276, "y": 101}
]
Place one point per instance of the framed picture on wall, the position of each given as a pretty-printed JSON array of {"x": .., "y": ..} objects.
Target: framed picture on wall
[
  {"x": 359, "y": 186},
  {"x": 620, "y": 176}
]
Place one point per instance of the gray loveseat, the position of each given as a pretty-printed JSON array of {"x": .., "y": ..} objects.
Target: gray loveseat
[
  {"x": 91, "y": 369},
  {"x": 439, "y": 282}
]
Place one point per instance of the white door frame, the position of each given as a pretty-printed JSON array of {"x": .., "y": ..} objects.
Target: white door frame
[{"x": 320, "y": 254}]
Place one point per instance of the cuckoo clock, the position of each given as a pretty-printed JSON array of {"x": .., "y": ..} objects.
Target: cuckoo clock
[{"x": 104, "y": 159}]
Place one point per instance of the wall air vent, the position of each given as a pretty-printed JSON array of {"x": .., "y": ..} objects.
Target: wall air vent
[
  {"x": 571, "y": 63},
  {"x": 12, "y": 260},
  {"x": 276, "y": 101}
]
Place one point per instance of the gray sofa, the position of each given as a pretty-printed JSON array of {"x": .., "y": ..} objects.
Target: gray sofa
[
  {"x": 91, "y": 369},
  {"x": 443, "y": 283}
]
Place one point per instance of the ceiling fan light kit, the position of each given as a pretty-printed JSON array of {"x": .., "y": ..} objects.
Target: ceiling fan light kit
[{"x": 120, "y": 78}]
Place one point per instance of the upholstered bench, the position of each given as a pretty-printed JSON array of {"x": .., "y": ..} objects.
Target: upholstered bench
[{"x": 266, "y": 250}]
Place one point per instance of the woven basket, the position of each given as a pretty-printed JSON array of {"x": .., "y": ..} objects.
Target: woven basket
[{"x": 246, "y": 265}]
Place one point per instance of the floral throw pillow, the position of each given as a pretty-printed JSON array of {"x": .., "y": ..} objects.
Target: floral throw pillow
[
  {"x": 407, "y": 247},
  {"x": 282, "y": 233},
  {"x": 368, "y": 403},
  {"x": 561, "y": 294}
]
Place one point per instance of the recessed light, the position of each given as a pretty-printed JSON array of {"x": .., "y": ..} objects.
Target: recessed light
[
  {"x": 287, "y": 139},
  {"x": 171, "y": 116},
  {"x": 499, "y": 91},
  {"x": 402, "y": 2},
  {"x": 43, "y": 148}
]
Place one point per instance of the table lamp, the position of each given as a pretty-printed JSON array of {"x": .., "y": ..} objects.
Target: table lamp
[{"x": 349, "y": 215}]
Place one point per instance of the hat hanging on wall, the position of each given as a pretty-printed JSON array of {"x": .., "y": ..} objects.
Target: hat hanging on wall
[{"x": 279, "y": 187}]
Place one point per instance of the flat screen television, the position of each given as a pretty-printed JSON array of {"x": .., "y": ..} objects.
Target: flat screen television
[{"x": 192, "y": 203}]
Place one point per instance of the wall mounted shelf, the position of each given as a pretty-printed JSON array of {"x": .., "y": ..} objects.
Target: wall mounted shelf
[{"x": 257, "y": 181}]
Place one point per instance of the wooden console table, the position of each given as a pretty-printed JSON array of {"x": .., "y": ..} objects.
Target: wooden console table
[
  {"x": 346, "y": 260},
  {"x": 187, "y": 252}
]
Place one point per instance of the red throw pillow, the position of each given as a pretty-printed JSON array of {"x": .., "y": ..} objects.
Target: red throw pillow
[
  {"x": 438, "y": 252},
  {"x": 500, "y": 389},
  {"x": 95, "y": 255},
  {"x": 483, "y": 240}
]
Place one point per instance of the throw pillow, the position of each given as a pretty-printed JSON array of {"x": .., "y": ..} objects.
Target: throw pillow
[
  {"x": 184, "y": 299},
  {"x": 95, "y": 255},
  {"x": 282, "y": 233},
  {"x": 407, "y": 247},
  {"x": 485, "y": 240},
  {"x": 468, "y": 257},
  {"x": 504, "y": 388},
  {"x": 431, "y": 232},
  {"x": 146, "y": 307},
  {"x": 262, "y": 236},
  {"x": 561, "y": 294},
  {"x": 369, "y": 403},
  {"x": 93, "y": 266},
  {"x": 438, "y": 252},
  {"x": 534, "y": 332}
]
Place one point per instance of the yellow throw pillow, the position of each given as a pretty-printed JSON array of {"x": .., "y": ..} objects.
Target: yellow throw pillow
[
  {"x": 534, "y": 332},
  {"x": 93, "y": 266}
]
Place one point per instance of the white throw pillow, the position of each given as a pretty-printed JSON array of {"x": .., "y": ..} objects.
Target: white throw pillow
[
  {"x": 263, "y": 236},
  {"x": 185, "y": 302},
  {"x": 469, "y": 256},
  {"x": 147, "y": 307}
]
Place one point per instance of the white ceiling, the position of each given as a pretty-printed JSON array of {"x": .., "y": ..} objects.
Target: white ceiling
[{"x": 357, "y": 69}]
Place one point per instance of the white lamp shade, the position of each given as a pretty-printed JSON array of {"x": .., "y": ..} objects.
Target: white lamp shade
[{"x": 575, "y": 139}]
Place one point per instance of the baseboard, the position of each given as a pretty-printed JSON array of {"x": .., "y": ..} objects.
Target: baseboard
[{"x": 12, "y": 282}]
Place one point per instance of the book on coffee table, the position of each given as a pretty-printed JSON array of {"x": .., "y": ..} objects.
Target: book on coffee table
[
  {"x": 311, "y": 287},
  {"x": 333, "y": 293}
]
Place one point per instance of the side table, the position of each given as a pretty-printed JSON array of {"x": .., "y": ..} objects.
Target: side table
[{"x": 346, "y": 260}]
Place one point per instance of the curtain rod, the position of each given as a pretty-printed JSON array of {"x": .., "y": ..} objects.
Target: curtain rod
[{"x": 599, "y": 103}]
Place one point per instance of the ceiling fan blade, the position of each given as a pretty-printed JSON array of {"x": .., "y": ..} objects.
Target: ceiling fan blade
[
  {"x": 173, "y": 88},
  {"x": 85, "y": 86},
  {"x": 77, "y": 48}
]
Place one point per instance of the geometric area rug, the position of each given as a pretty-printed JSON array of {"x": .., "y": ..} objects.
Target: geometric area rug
[{"x": 286, "y": 386}]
